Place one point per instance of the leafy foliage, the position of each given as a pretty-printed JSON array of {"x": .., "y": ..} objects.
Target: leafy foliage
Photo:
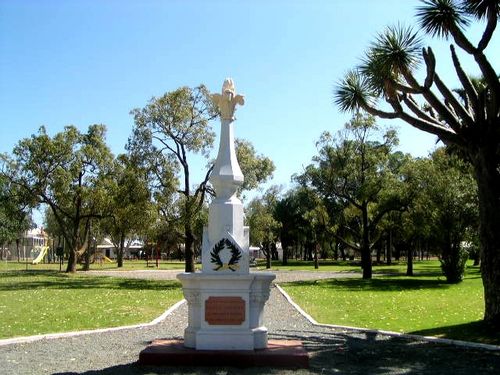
[
  {"x": 166, "y": 131},
  {"x": 464, "y": 118},
  {"x": 14, "y": 213},
  {"x": 438, "y": 17},
  {"x": 257, "y": 169},
  {"x": 352, "y": 172},
  {"x": 69, "y": 173}
]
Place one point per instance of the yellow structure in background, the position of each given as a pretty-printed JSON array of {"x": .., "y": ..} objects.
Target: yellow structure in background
[{"x": 43, "y": 252}]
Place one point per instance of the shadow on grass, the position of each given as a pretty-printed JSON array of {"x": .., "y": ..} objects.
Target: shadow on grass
[
  {"x": 28, "y": 280},
  {"x": 348, "y": 353},
  {"x": 388, "y": 284},
  {"x": 473, "y": 331}
]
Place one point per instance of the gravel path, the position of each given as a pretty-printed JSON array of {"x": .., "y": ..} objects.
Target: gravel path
[
  {"x": 281, "y": 276},
  {"x": 332, "y": 351}
]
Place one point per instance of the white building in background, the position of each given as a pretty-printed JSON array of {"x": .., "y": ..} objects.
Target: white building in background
[
  {"x": 131, "y": 249},
  {"x": 24, "y": 248}
]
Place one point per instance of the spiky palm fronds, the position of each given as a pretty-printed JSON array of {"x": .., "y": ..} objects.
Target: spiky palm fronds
[
  {"x": 439, "y": 17},
  {"x": 353, "y": 92},
  {"x": 397, "y": 49},
  {"x": 393, "y": 54},
  {"x": 480, "y": 8}
]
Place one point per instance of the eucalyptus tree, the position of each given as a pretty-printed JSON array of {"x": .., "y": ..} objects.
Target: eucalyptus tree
[
  {"x": 15, "y": 216},
  {"x": 68, "y": 173},
  {"x": 353, "y": 168},
  {"x": 287, "y": 212},
  {"x": 388, "y": 74},
  {"x": 256, "y": 168},
  {"x": 264, "y": 228},
  {"x": 130, "y": 206},
  {"x": 452, "y": 199},
  {"x": 166, "y": 134}
]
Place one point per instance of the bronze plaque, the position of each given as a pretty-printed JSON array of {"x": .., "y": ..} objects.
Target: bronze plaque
[{"x": 225, "y": 310}]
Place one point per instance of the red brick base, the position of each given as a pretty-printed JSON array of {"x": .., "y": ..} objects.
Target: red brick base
[{"x": 279, "y": 353}]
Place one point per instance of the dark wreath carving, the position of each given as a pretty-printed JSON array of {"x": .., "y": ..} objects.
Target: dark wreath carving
[{"x": 235, "y": 256}]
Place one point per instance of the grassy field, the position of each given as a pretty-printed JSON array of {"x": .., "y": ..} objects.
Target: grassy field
[
  {"x": 348, "y": 266},
  {"x": 128, "y": 265},
  {"x": 45, "y": 301},
  {"x": 423, "y": 304},
  {"x": 300, "y": 265},
  {"x": 37, "y": 302}
]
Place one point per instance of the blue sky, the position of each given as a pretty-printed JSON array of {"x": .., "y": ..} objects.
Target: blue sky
[{"x": 83, "y": 62}]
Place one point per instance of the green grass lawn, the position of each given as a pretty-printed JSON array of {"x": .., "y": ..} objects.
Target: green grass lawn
[
  {"x": 301, "y": 265},
  {"x": 128, "y": 265},
  {"x": 349, "y": 266},
  {"x": 37, "y": 302},
  {"x": 423, "y": 304}
]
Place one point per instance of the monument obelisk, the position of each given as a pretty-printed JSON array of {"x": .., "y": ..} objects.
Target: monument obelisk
[{"x": 225, "y": 300}]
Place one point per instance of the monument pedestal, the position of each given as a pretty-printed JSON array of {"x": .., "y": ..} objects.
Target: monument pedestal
[
  {"x": 225, "y": 301},
  {"x": 226, "y": 311}
]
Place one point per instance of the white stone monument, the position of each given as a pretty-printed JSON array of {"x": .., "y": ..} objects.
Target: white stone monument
[{"x": 225, "y": 300}]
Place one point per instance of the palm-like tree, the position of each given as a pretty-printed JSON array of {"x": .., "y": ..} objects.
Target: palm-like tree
[{"x": 468, "y": 118}]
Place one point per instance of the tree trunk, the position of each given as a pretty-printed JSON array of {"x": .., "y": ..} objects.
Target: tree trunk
[
  {"x": 18, "y": 250},
  {"x": 409, "y": 263},
  {"x": 343, "y": 254},
  {"x": 366, "y": 256},
  {"x": 316, "y": 262},
  {"x": 336, "y": 251},
  {"x": 71, "y": 268},
  {"x": 284, "y": 261},
  {"x": 119, "y": 256},
  {"x": 488, "y": 181},
  {"x": 389, "y": 249},
  {"x": 87, "y": 255},
  {"x": 379, "y": 252},
  {"x": 189, "y": 243},
  {"x": 267, "y": 252}
]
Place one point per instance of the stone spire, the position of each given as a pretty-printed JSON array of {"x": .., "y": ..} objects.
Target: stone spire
[
  {"x": 226, "y": 176},
  {"x": 225, "y": 240}
]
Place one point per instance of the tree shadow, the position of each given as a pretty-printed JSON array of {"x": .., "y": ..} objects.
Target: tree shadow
[
  {"x": 478, "y": 331},
  {"x": 349, "y": 352},
  {"x": 388, "y": 284},
  {"x": 29, "y": 280}
]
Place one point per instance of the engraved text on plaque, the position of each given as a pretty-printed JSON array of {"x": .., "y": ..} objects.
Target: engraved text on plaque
[{"x": 225, "y": 310}]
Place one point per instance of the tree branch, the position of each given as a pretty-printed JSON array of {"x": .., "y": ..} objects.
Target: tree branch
[
  {"x": 469, "y": 88},
  {"x": 430, "y": 64},
  {"x": 448, "y": 95},
  {"x": 489, "y": 73},
  {"x": 345, "y": 242},
  {"x": 412, "y": 105},
  {"x": 488, "y": 31},
  {"x": 375, "y": 112}
]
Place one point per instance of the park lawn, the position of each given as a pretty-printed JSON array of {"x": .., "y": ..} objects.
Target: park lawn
[
  {"x": 128, "y": 265},
  {"x": 427, "y": 266},
  {"x": 38, "y": 302},
  {"x": 424, "y": 304},
  {"x": 304, "y": 265}
]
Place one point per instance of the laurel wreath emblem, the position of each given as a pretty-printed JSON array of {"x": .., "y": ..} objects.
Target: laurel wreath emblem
[{"x": 235, "y": 256}]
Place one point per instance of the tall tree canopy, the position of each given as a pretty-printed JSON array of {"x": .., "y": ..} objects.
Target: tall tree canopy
[
  {"x": 68, "y": 173},
  {"x": 129, "y": 204},
  {"x": 166, "y": 132},
  {"x": 255, "y": 168},
  {"x": 15, "y": 215},
  {"x": 468, "y": 118},
  {"x": 263, "y": 227},
  {"x": 353, "y": 168}
]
